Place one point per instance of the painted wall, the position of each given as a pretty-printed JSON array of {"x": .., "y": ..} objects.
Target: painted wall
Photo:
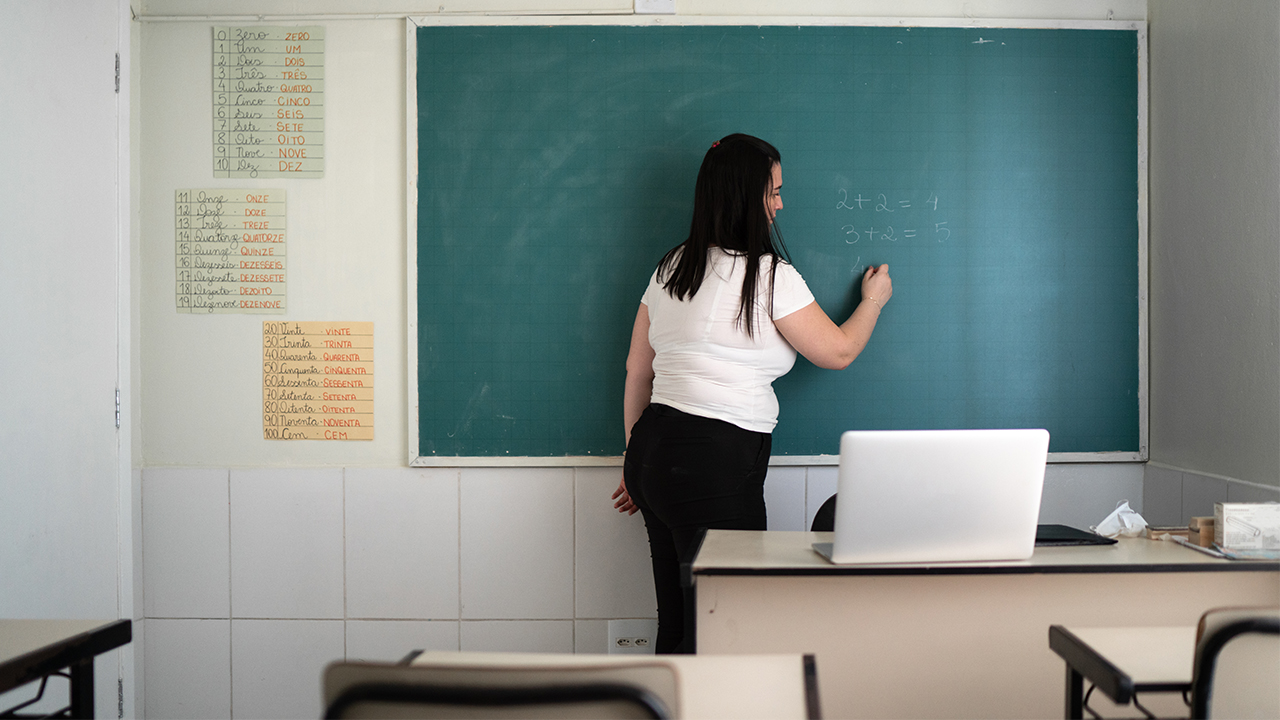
[{"x": 1215, "y": 240}]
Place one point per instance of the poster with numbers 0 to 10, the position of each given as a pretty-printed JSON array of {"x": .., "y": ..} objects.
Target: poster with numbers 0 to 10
[{"x": 268, "y": 102}]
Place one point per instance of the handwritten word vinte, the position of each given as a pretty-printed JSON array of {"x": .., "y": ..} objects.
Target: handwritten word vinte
[{"x": 881, "y": 218}]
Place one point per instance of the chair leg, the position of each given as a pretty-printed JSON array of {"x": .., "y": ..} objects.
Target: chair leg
[
  {"x": 82, "y": 689},
  {"x": 1075, "y": 695}
]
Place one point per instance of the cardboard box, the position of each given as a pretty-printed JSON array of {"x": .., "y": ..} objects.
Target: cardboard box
[
  {"x": 1201, "y": 531},
  {"x": 1198, "y": 523},
  {"x": 1246, "y": 526}
]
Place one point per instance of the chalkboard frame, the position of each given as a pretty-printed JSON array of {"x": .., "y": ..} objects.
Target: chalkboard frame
[{"x": 412, "y": 23}]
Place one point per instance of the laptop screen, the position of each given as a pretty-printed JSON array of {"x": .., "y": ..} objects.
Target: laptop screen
[{"x": 920, "y": 496}]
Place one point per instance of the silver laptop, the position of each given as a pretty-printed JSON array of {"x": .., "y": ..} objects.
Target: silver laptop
[{"x": 933, "y": 496}]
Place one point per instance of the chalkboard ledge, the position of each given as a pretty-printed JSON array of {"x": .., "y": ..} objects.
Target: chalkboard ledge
[
  {"x": 775, "y": 461},
  {"x": 517, "y": 461}
]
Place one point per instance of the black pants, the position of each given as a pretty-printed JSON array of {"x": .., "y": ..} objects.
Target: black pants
[{"x": 685, "y": 473}]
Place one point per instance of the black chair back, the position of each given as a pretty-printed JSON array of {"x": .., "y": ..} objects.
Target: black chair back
[{"x": 825, "y": 519}]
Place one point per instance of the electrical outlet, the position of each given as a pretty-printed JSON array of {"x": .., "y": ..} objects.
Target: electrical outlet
[{"x": 632, "y": 637}]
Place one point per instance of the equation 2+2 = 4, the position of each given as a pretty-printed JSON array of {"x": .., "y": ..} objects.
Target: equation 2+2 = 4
[{"x": 880, "y": 204}]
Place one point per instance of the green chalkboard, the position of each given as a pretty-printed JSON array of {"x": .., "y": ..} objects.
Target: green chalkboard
[{"x": 994, "y": 170}]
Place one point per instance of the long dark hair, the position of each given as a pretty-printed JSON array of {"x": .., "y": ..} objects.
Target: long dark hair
[{"x": 729, "y": 212}]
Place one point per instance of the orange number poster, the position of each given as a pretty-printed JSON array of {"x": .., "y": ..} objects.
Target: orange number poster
[{"x": 317, "y": 380}]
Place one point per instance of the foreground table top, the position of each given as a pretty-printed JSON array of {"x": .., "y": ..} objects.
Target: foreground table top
[
  {"x": 711, "y": 686},
  {"x": 1123, "y": 661},
  {"x": 1152, "y": 658},
  {"x": 33, "y": 649}
]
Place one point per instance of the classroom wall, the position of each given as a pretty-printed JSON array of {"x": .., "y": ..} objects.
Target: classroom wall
[
  {"x": 1215, "y": 255},
  {"x": 264, "y": 560}
]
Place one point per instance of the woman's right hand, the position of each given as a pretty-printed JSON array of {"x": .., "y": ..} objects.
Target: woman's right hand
[
  {"x": 832, "y": 346},
  {"x": 876, "y": 285},
  {"x": 623, "y": 502}
]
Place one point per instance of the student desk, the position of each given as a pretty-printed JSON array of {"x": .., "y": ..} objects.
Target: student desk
[
  {"x": 34, "y": 649},
  {"x": 738, "y": 688},
  {"x": 948, "y": 640},
  {"x": 1122, "y": 662}
]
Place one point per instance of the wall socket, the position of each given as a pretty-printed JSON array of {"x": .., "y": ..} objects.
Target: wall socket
[{"x": 632, "y": 637}]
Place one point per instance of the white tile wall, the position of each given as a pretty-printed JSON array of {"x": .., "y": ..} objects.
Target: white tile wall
[
  {"x": 820, "y": 485},
  {"x": 1200, "y": 492},
  {"x": 612, "y": 574},
  {"x": 784, "y": 498},
  {"x": 1078, "y": 494},
  {"x": 1084, "y": 494},
  {"x": 188, "y": 669},
  {"x": 1177, "y": 495},
  {"x": 186, "y": 561},
  {"x": 591, "y": 636},
  {"x": 1244, "y": 492},
  {"x": 1162, "y": 497},
  {"x": 555, "y": 636},
  {"x": 391, "y": 640},
  {"x": 370, "y": 563},
  {"x": 402, "y": 543},
  {"x": 286, "y": 543},
  {"x": 276, "y": 666},
  {"x": 517, "y": 543}
]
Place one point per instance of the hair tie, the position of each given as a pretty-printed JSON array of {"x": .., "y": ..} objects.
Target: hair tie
[{"x": 715, "y": 144}]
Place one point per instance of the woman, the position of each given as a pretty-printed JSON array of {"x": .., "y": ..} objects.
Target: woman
[{"x": 723, "y": 316}]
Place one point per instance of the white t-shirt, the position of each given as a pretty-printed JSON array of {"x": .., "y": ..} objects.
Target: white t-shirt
[{"x": 705, "y": 363}]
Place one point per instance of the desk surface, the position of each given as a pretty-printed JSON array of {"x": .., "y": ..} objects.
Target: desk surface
[
  {"x": 1148, "y": 657},
  {"x": 1123, "y": 661},
  {"x": 744, "y": 552},
  {"x": 711, "y": 686},
  {"x": 31, "y": 649}
]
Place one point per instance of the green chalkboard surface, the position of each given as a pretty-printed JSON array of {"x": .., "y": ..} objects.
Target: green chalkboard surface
[{"x": 994, "y": 170}]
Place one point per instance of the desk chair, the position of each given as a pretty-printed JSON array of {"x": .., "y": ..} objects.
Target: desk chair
[
  {"x": 499, "y": 690},
  {"x": 1237, "y": 664},
  {"x": 825, "y": 519}
]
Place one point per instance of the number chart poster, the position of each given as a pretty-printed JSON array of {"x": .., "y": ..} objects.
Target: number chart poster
[
  {"x": 230, "y": 250},
  {"x": 317, "y": 380},
  {"x": 268, "y": 102}
]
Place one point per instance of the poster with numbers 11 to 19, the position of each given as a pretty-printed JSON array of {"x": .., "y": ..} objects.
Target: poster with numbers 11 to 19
[
  {"x": 229, "y": 250},
  {"x": 268, "y": 102}
]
